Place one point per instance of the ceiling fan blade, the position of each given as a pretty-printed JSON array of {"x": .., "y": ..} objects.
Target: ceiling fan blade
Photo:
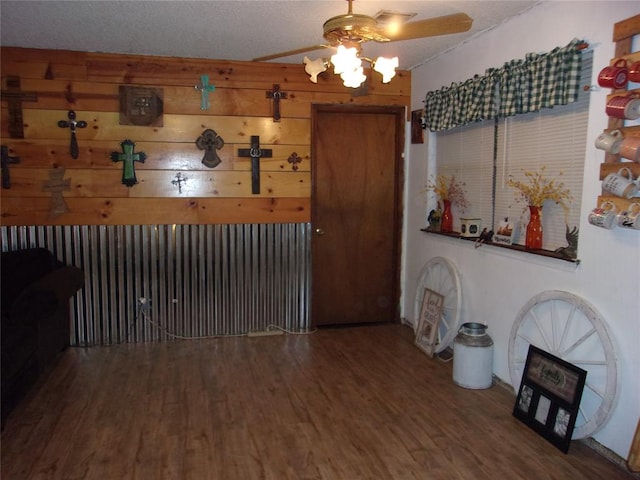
[
  {"x": 431, "y": 27},
  {"x": 290, "y": 52}
]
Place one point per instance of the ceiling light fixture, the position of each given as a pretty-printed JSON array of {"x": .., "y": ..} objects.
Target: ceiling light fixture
[{"x": 347, "y": 63}]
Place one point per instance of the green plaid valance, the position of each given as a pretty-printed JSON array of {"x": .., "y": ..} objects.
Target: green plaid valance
[{"x": 520, "y": 86}]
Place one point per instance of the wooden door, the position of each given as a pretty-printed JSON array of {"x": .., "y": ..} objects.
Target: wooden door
[{"x": 356, "y": 205}]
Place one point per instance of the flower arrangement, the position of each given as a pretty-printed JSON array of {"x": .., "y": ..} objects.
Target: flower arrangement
[
  {"x": 536, "y": 189},
  {"x": 446, "y": 187}
]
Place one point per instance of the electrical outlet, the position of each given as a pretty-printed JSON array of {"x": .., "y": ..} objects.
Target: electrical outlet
[{"x": 144, "y": 305}]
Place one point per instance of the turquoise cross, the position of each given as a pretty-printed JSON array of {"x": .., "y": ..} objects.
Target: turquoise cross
[
  {"x": 205, "y": 88},
  {"x": 127, "y": 157}
]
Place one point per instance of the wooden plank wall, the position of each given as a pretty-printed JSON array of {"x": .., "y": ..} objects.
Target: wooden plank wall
[{"x": 88, "y": 83}]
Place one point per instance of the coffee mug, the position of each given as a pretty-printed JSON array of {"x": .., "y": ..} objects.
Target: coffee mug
[
  {"x": 614, "y": 76},
  {"x": 630, "y": 148},
  {"x": 604, "y": 216},
  {"x": 626, "y": 107},
  {"x": 610, "y": 141},
  {"x": 634, "y": 72},
  {"x": 620, "y": 185},
  {"x": 630, "y": 218}
]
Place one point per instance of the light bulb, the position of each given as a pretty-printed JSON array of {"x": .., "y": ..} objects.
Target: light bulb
[
  {"x": 353, "y": 78},
  {"x": 314, "y": 68},
  {"x": 386, "y": 67},
  {"x": 345, "y": 59}
]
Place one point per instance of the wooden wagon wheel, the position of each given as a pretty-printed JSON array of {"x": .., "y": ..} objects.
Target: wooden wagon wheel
[
  {"x": 441, "y": 276},
  {"x": 570, "y": 328}
]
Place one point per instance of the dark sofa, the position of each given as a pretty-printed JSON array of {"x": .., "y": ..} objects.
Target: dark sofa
[{"x": 36, "y": 289}]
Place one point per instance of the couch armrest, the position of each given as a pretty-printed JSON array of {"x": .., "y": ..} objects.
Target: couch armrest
[
  {"x": 64, "y": 282},
  {"x": 45, "y": 295}
]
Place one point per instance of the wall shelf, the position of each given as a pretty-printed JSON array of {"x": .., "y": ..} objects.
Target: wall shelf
[
  {"x": 516, "y": 248},
  {"x": 623, "y": 33}
]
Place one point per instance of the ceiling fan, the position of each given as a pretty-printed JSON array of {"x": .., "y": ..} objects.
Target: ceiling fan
[{"x": 353, "y": 29}]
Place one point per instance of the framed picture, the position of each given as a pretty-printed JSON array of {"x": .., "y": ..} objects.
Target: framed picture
[
  {"x": 417, "y": 134},
  {"x": 507, "y": 232},
  {"x": 549, "y": 396},
  {"x": 430, "y": 314}
]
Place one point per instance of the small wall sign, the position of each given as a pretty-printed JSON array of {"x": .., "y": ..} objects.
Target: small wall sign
[{"x": 141, "y": 106}]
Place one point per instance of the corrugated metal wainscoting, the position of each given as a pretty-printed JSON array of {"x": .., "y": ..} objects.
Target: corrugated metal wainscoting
[{"x": 200, "y": 280}]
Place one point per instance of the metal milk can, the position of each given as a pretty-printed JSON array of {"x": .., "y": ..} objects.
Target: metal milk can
[{"x": 473, "y": 356}]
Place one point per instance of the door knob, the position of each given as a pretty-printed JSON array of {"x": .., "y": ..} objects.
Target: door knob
[{"x": 319, "y": 231}]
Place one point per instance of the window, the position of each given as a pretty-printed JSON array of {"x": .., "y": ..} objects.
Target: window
[{"x": 484, "y": 155}]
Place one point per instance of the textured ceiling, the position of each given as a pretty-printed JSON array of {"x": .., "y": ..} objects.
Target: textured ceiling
[{"x": 233, "y": 30}]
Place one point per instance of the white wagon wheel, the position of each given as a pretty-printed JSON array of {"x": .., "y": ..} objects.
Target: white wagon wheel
[
  {"x": 441, "y": 276},
  {"x": 570, "y": 328}
]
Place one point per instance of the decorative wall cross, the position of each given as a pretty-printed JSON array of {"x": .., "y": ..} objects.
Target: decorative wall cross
[
  {"x": 14, "y": 98},
  {"x": 256, "y": 153},
  {"x": 6, "y": 161},
  {"x": 56, "y": 185},
  {"x": 179, "y": 181},
  {"x": 210, "y": 141},
  {"x": 127, "y": 157},
  {"x": 294, "y": 159},
  {"x": 276, "y": 95},
  {"x": 204, "y": 88},
  {"x": 72, "y": 124}
]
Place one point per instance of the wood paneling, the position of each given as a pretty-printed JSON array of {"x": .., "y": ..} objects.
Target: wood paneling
[
  {"x": 154, "y": 211},
  {"x": 160, "y": 155},
  {"x": 88, "y": 83}
]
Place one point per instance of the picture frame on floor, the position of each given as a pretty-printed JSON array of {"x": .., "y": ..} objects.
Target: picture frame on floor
[
  {"x": 549, "y": 396},
  {"x": 429, "y": 321}
]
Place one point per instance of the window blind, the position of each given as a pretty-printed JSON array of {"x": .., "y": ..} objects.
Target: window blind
[{"x": 552, "y": 137}]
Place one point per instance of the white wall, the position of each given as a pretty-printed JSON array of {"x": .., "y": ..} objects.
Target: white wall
[{"x": 496, "y": 283}]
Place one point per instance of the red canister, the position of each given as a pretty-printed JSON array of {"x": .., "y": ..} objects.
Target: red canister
[
  {"x": 626, "y": 107},
  {"x": 614, "y": 76}
]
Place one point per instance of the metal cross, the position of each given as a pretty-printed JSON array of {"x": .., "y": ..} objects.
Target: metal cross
[
  {"x": 204, "y": 88},
  {"x": 143, "y": 103},
  {"x": 179, "y": 180},
  {"x": 56, "y": 185},
  {"x": 14, "y": 98},
  {"x": 6, "y": 161},
  {"x": 72, "y": 124},
  {"x": 210, "y": 141},
  {"x": 127, "y": 157},
  {"x": 276, "y": 95},
  {"x": 256, "y": 153}
]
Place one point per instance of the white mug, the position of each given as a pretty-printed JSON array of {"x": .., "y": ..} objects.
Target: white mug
[
  {"x": 604, "y": 216},
  {"x": 630, "y": 218},
  {"x": 610, "y": 141},
  {"x": 620, "y": 185}
]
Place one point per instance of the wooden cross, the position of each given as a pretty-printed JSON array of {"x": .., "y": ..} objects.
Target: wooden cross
[
  {"x": 72, "y": 124},
  {"x": 56, "y": 185},
  {"x": 276, "y": 95},
  {"x": 6, "y": 161},
  {"x": 127, "y": 157},
  {"x": 14, "y": 98},
  {"x": 179, "y": 181},
  {"x": 256, "y": 153},
  {"x": 204, "y": 88}
]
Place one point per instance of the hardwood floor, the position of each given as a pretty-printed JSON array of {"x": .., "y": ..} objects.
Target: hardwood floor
[{"x": 351, "y": 403}]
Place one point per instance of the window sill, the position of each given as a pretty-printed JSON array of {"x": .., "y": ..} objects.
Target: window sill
[{"x": 515, "y": 248}]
